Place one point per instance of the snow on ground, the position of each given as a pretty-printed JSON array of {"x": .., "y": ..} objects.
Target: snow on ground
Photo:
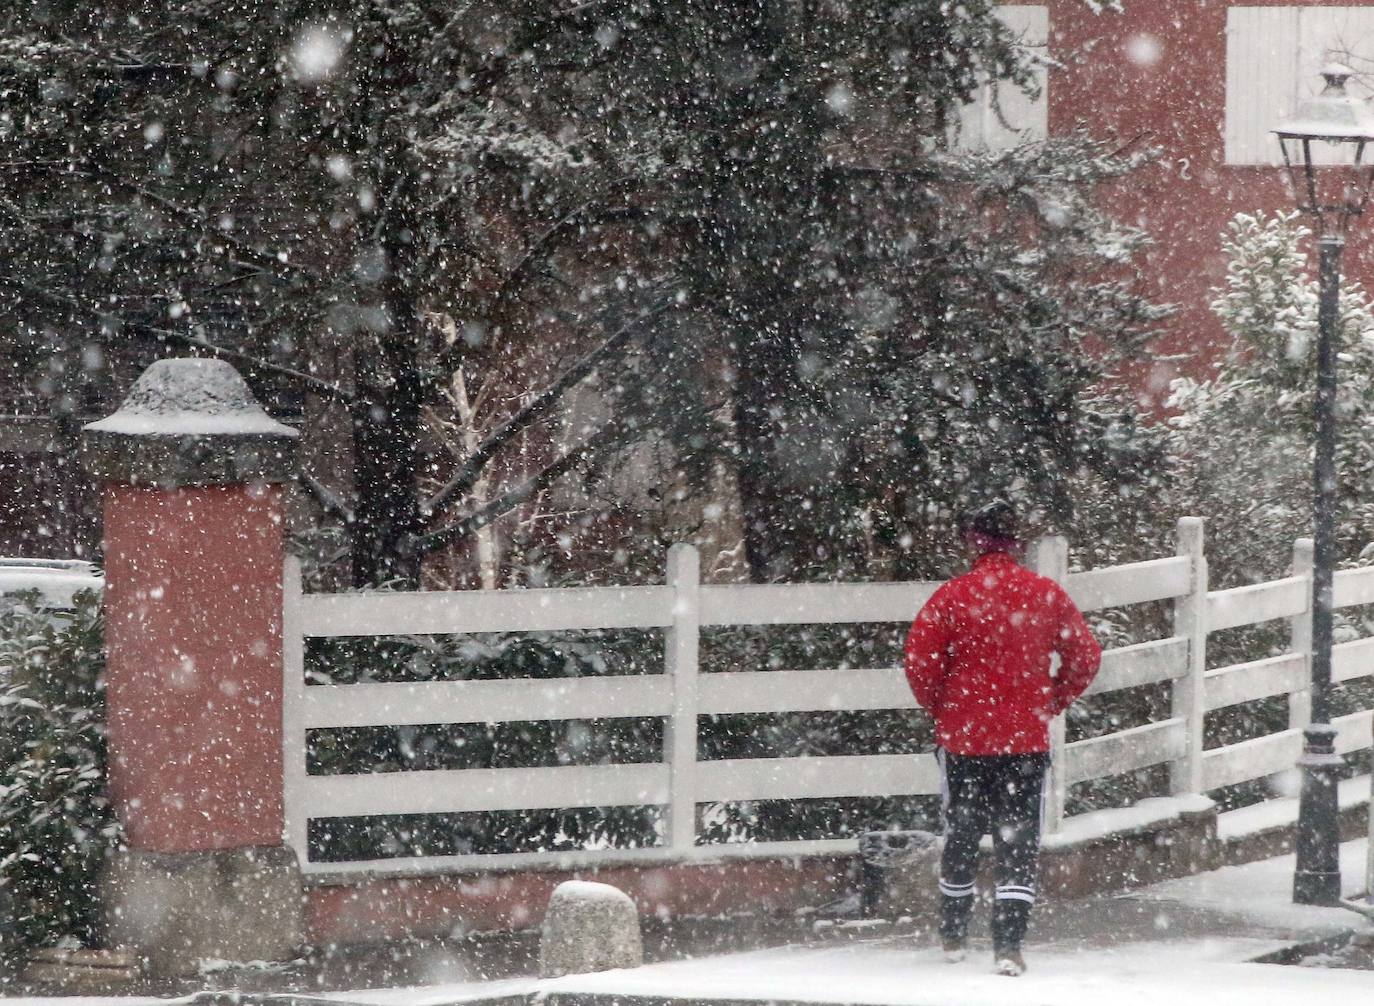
[
  {"x": 453, "y": 993},
  {"x": 888, "y": 973},
  {"x": 93, "y": 1001},
  {"x": 1249, "y": 908},
  {"x": 1165, "y": 973},
  {"x": 1263, "y": 892},
  {"x": 1222, "y": 920}
]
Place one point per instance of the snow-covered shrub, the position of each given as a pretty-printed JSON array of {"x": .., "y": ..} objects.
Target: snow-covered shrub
[
  {"x": 1242, "y": 441},
  {"x": 1242, "y": 444},
  {"x": 56, "y": 823}
]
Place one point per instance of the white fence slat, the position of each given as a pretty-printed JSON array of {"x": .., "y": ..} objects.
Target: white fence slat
[
  {"x": 1141, "y": 664},
  {"x": 1049, "y": 556},
  {"x": 1353, "y": 587},
  {"x": 487, "y": 789},
  {"x": 804, "y": 691},
  {"x": 1351, "y": 660},
  {"x": 1258, "y": 679},
  {"x": 296, "y": 822},
  {"x": 681, "y": 783},
  {"x": 808, "y": 778},
  {"x": 682, "y": 644},
  {"x": 805, "y": 603},
  {"x": 383, "y": 613},
  {"x": 1252, "y": 759},
  {"x": 1136, "y": 583},
  {"x": 1227, "y": 609},
  {"x": 1352, "y": 731},
  {"x": 505, "y": 701},
  {"x": 1300, "y": 637},
  {"x": 1125, "y": 751}
]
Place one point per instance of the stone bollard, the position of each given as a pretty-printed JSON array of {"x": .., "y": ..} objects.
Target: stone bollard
[
  {"x": 589, "y": 927},
  {"x": 193, "y": 508}
]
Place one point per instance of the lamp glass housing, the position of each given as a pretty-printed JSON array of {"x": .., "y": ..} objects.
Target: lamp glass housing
[{"x": 1328, "y": 148}]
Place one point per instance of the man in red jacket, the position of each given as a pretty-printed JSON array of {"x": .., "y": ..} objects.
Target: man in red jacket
[{"x": 995, "y": 655}]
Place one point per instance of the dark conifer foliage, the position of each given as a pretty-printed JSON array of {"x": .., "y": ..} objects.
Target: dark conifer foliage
[{"x": 745, "y": 217}]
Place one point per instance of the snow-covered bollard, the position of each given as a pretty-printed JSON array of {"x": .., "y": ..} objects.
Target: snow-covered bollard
[{"x": 589, "y": 927}]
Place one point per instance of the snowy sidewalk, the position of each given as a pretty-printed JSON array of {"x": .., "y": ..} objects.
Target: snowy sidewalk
[{"x": 1179, "y": 943}]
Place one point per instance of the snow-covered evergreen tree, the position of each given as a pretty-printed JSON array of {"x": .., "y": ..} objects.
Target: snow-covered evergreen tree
[{"x": 355, "y": 200}]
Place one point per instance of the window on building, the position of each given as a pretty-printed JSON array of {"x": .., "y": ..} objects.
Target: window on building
[
  {"x": 1273, "y": 59},
  {"x": 1001, "y": 116}
]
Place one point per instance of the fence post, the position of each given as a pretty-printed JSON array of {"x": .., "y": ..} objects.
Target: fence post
[
  {"x": 680, "y": 663},
  {"x": 1189, "y": 691},
  {"x": 1300, "y": 639},
  {"x": 1050, "y": 557},
  {"x": 295, "y": 826}
]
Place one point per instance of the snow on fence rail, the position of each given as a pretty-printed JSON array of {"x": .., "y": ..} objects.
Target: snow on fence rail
[{"x": 682, "y": 781}]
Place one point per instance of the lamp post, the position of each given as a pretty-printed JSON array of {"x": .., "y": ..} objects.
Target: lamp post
[{"x": 1327, "y": 147}]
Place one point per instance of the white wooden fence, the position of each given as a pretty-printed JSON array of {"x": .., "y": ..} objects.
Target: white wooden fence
[{"x": 680, "y": 782}]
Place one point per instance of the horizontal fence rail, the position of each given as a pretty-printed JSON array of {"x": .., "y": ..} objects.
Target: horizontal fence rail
[
  {"x": 683, "y": 782},
  {"x": 1136, "y": 583}
]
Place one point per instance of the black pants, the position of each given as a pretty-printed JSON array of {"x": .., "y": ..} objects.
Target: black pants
[{"x": 1000, "y": 795}]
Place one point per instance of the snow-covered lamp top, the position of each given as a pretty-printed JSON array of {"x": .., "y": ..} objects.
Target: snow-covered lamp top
[
  {"x": 1334, "y": 115},
  {"x": 190, "y": 422},
  {"x": 1326, "y": 147}
]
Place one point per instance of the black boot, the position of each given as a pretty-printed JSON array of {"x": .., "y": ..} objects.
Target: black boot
[{"x": 954, "y": 919}]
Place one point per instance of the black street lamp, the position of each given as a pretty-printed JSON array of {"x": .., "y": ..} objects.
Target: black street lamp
[{"x": 1328, "y": 146}]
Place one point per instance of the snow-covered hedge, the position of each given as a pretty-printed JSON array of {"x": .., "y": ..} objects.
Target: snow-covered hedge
[{"x": 55, "y": 818}]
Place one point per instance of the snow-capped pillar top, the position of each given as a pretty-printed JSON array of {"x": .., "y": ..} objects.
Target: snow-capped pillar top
[{"x": 190, "y": 422}]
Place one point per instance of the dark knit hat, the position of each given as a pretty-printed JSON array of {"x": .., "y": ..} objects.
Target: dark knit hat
[{"x": 993, "y": 526}]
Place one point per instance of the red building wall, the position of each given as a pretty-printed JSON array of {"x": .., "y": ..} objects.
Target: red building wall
[{"x": 1178, "y": 103}]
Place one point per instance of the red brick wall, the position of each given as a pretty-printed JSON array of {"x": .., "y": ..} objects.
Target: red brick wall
[
  {"x": 1178, "y": 104},
  {"x": 387, "y": 909}
]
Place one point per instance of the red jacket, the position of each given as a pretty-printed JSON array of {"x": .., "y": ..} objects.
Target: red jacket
[{"x": 979, "y": 658}]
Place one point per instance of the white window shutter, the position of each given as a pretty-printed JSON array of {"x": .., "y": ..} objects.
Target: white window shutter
[
  {"x": 980, "y": 127},
  {"x": 1273, "y": 55}
]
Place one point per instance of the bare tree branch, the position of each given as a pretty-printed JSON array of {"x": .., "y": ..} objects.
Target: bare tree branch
[
  {"x": 471, "y": 469},
  {"x": 474, "y": 522},
  {"x": 506, "y": 288},
  {"x": 322, "y": 388},
  {"x": 330, "y": 502},
  {"x": 486, "y": 77},
  {"x": 193, "y": 218}
]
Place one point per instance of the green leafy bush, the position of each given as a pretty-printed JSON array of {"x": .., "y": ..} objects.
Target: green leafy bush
[{"x": 56, "y": 822}]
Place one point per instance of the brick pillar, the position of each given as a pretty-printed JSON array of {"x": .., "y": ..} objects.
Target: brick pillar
[{"x": 192, "y": 469}]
